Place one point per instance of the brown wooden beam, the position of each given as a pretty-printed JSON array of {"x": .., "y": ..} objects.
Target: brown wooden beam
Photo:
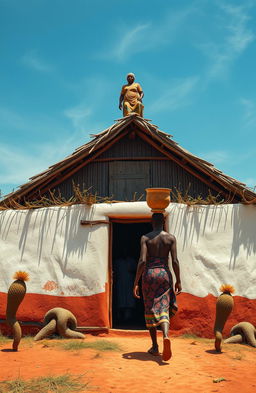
[
  {"x": 130, "y": 220},
  {"x": 110, "y": 275},
  {"x": 86, "y": 162},
  {"x": 188, "y": 159},
  {"x": 96, "y": 222},
  {"x": 64, "y": 164},
  {"x": 131, "y": 159},
  {"x": 179, "y": 162}
]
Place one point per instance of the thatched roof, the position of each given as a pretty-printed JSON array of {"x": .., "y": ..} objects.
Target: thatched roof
[{"x": 83, "y": 155}]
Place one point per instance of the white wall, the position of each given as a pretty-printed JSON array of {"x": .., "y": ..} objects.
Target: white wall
[
  {"x": 216, "y": 245},
  {"x": 52, "y": 246}
]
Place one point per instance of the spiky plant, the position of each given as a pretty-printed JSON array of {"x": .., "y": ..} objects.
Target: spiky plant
[
  {"x": 16, "y": 293},
  {"x": 224, "y": 306}
]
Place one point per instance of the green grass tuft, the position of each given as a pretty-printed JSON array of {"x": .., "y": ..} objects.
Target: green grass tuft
[
  {"x": 189, "y": 335},
  {"x": 196, "y": 338},
  {"x": 63, "y": 383},
  {"x": 218, "y": 380},
  {"x": 238, "y": 357},
  {"x": 3, "y": 340},
  {"x": 27, "y": 340},
  {"x": 101, "y": 345}
]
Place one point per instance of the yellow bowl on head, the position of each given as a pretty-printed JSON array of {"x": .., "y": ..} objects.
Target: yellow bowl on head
[{"x": 158, "y": 199}]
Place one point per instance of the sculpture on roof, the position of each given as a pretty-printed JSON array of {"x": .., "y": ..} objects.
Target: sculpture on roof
[{"x": 131, "y": 97}]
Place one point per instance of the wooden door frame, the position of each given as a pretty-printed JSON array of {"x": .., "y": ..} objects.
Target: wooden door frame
[
  {"x": 118, "y": 220},
  {"x": 110, "y": 274}
]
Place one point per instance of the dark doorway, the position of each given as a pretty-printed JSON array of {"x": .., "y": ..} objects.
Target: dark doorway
[{"x": 127, "y": 312}]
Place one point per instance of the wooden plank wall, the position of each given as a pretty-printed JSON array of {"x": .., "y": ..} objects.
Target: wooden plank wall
[{"x": 135, "y": 159}]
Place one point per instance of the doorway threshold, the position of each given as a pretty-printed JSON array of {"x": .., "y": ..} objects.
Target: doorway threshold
[{"x": 128, "y": 332}]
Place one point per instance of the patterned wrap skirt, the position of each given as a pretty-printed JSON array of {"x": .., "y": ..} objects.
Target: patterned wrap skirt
[{"x": 157, "y": 288}]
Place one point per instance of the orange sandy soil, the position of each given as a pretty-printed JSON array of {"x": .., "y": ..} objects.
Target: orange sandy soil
[{"x": 193, "y": 367}]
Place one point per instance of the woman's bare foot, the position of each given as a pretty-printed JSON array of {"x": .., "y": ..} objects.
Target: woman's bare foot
[
  {"x": 167, "y": 352},
  {"x": 154, "y": 351}
]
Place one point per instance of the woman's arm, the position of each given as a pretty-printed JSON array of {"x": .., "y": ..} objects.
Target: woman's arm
[
  {"x": 121, "y": 98},
  {"x": 176, "y": 266},
  {"x": 141, "y": 266},
  {"x": 140, "y": 92}
]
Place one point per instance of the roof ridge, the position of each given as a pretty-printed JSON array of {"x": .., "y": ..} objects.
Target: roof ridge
[{"x": 82, "y": 156}]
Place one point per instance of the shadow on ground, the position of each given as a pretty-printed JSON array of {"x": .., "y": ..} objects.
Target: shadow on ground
[{"x": 143, "y": 356}]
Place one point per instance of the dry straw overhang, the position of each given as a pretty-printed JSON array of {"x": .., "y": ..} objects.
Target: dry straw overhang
[{"x": 40, "y": 184}]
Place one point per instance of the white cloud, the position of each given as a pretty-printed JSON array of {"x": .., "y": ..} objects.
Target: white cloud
[
  {"x": 78, "y": 116},
  {"x": 83, "y": 120},
  {"x": 19, "y": 161},
  {"x": 249, "y": 111},
  {"x": 240, "y": 35},
  {"x": 251, "y": 182},
  {"x": 32, "y": 60},
  {"x": 176, "y": 94},
  {"x": 11, "y": 119},
  {"x": 215, "y": 156},
  {"x": 236, "y": 38},
  {"x": 129, "y": 41},
  {"x": 17, "y": 165},
  {"x": 145, "y": 36},
  {"x": 95, "y": 92},
  {"x": 241, "y": 166},
  {"x": 24, "y": 123}
]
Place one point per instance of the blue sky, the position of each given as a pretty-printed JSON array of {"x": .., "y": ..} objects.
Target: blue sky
[{"x": 63, "y": 64}]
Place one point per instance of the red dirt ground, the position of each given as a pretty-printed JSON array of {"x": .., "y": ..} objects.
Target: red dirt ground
[{"x": 193, "y": 367}]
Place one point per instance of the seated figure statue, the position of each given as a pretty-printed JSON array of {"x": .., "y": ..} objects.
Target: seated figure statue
[{"x": 131, "y": 97}]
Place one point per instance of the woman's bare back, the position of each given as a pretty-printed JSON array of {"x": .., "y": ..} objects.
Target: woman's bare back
[{"x": 159, "y": 244}]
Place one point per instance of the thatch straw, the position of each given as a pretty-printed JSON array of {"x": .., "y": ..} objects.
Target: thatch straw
[{"x": 86, "y": 197}]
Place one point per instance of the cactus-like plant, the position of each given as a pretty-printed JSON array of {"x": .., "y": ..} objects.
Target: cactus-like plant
[
  {"x": 61, "y": 321},
  {"x": 243, "y": 332},
  {"x": 16, "y": 293},
  {"x": 224, "y": 306}
]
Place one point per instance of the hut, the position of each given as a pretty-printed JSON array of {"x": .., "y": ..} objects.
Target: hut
[
  {"x": 81, "y": 252},
  {"x": 126, "y": 158}
]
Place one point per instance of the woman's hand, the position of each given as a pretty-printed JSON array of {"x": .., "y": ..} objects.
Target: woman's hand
[
  {"x": 136, "y": 291},
  {"x": 178, "y": 288}
]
